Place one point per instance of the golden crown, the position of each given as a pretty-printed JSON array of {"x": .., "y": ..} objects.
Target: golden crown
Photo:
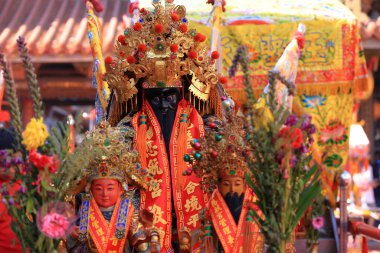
[
  {"x": 220, "y": 153},
  {"x": 113, "y": 156},
  {"x": 160, "y": 51}
]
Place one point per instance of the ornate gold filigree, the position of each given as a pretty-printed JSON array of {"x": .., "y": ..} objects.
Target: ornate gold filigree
[
  {"x": 161, "y": 50},
  {"x": 114, "y": 156}
]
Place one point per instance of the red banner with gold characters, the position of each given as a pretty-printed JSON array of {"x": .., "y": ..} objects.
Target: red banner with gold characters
[
  {"x": 167, "y": 179},
  {"x": 230, "y": 235},
  {"x": 102, "y": 233}
]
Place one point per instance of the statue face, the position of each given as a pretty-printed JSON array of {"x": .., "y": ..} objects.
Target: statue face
[
  {"x": 163, "y": 100},
  {"x": 106, "y": 192},
  {"x": 231, "y": 184}
]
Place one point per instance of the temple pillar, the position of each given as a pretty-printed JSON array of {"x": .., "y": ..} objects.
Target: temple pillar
[{"x": 27, "y": 112}]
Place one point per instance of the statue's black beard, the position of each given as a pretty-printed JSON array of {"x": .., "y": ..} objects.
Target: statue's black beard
[
  {"x": 235, "y": 204},
  {"x": 166, "y": 119}
]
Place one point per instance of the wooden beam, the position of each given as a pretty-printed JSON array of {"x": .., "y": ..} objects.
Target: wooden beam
[{"x": 53, "y": 88}]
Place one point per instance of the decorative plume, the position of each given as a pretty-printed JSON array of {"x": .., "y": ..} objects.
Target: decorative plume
[
  {"x": 31, "y": 78},
  {"x": 274, "y": 76},
  {"x": 241, "y": 58},
  {"x": 98, "y": 5},
  {"x": 10, "y": 90},
  {"x": 285, "y": 70}
]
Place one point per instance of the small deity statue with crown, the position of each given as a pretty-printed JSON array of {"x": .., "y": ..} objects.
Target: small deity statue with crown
[
  {"x": 109, "y": 218},
  {"x": 219, "y": 159}
]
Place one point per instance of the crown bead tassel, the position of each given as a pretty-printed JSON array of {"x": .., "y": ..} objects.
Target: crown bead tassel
[
  {"x": 197, "y": 156},
  {"x": 141, "y": 48},
  {"x": 158, "y": 28},
  {"x": 218, "y": 137},
  {"x": 142, "y": 119},
  {"x": 183, "y": 118},
  {"x": 183, "y": 28},
  {"x": 197, "y": 146},
  {"x": 121, "y": 39},
  {"x": 175, "y": 17}
]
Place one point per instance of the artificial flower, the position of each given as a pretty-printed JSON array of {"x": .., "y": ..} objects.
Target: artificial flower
[
  {"x": 35, "y": 134},
  {"x": 292, "y": 136},
  {"x": 55, "y": 225},
  {"x": 318, "y": 222},
  {"x": 292, "y": 120},
  {"x": 42, "y": 162},
  {"x": 37, "y": 184},
  {"x": 55, "y": 219},
  {"x": 296, "y": 137}
]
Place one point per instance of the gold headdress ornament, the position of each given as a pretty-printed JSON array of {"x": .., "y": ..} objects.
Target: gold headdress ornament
[
  {"x": 160, "y": 51},
  {"x": 113, "y": 156},
  {"x": 220, "y": 153}
]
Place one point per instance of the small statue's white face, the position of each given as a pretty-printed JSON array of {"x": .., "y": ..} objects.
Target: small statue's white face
[
  {"x": 231, "y": 184},
  {"x": 106, "y": 192}
]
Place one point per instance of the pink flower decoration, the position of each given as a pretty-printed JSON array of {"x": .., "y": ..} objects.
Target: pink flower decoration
[
  {"x": 56, "y": 219},
  {"x": 55, "y": 225},
  {"x": 318, "y": 222}
]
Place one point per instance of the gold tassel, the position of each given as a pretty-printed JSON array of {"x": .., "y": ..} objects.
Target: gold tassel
[
  {"x": 248, "y": 233},
  {"x": 216, "y": 103},
  {"x": 141, "y": 139},
  {"x": 115, "y": 113},
  {"x": 182, "y": 145}
]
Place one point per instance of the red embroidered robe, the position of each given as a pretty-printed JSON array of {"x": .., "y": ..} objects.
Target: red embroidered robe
[{"x": 168, "y": 181}]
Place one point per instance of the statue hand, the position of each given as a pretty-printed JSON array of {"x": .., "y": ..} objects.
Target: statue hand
[
  {"x": 75, "y": 232},
  {"x": 185, "y": 241},
  {"x": 155, "y": 247},
  {"x": 154, "y": 242}
]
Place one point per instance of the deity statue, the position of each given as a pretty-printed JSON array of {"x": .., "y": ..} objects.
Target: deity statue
[
  {"x": 110, "y": 220},
  {"x": 219, "y": 159},
  {"x": 162, "y": 83}
]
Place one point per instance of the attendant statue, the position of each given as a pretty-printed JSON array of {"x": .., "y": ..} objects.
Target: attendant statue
[
  {"x": 219, "y": 159},
  {"x": 109, "y": 220}
]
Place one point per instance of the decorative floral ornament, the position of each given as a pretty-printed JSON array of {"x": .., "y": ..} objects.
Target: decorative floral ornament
[
  {"x": 313, "y": 101},
  {"x": 291, "y": 136},
  {"x": 318, "y": 222},
  {"x": 334, "y": 160},
  {"x": 35, "y": 134},
  {"x": 56, "y": 219},
  {"x": 42, "y": 162},
  {"x": 333, "y": 133}
]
